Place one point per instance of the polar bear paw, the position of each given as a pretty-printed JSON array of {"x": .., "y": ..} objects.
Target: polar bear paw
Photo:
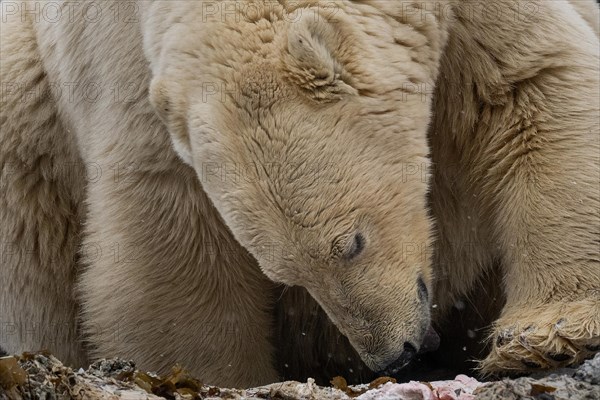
[{"x": 544, "y": 337}]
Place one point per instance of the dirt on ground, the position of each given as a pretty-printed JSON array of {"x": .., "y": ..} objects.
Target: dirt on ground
[{"x": 42, "y": 376}]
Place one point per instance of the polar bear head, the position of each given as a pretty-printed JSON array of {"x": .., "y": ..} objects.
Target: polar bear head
[{"x": 308, "y": 133}]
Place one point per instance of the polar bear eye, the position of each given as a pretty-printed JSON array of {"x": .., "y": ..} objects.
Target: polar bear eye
[{"x": 356, "y": 247}]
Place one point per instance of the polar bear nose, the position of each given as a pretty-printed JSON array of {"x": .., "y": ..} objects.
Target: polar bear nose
[{"x": 407, "y": 355}]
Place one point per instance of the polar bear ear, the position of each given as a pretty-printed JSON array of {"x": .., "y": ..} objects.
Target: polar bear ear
[
  {"x": 172, "y": 113},
  {"x": 310, "y": 60}
]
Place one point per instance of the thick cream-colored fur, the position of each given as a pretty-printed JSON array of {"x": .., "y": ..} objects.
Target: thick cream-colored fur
[
  {"x": 41, "y": 205},
  {"x": 516, "y": 140},
  {"x": 221, "y": 148}
]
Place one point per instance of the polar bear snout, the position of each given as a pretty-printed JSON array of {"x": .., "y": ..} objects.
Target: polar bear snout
[
  {"x": 405, "y": 357},
  {"x": 413, "y": 334},
  {"x": 430, "y": 342}
]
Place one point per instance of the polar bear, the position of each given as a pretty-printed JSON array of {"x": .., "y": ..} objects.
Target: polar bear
[{"x": 168, "y": 167}]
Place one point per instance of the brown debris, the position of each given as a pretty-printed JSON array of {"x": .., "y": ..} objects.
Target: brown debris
[
  {"x": 11, "y": 373},
  {"x": 41, "y": 376}
]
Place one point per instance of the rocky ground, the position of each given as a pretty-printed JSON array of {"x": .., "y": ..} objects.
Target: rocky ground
[{"x": 42, "y": 376}]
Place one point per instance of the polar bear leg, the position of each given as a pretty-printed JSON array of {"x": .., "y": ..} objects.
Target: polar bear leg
[
  {"x": 548, "y": 225},
  {"x": 520, "y": 166},
  {"x": 546, "y": 202},
  {"x": 41, "y": 188},
  {"x": 168, "y": 283}
]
